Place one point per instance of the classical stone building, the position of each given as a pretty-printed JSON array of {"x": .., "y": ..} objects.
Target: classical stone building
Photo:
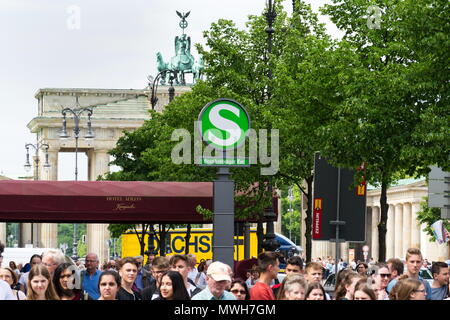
[
  {"x": 114, "y": 111},
  {"x": 403, "y": 229}
]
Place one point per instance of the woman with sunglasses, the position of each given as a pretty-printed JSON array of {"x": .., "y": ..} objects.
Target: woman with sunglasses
[
  {"x": 382, "y": 279},
  {"x": 239, "y": 289}
]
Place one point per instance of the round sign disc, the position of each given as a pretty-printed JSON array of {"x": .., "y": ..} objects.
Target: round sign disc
[{"x": 224, "y": 124}]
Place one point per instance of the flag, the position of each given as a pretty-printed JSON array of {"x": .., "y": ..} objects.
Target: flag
[{"x": 439, "y": 231}]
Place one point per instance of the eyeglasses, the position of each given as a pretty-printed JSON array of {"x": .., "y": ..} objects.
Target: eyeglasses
[
  {"x": 423, "y": 291},
  {"x": 235, "y": 291},
  {"x": 49, "y": 264},
  {"x": 159, "y": 271},
  {"x": 385, "y": 275}
]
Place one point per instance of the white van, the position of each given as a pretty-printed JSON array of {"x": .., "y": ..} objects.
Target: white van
[{"x": 20, "y": 255}]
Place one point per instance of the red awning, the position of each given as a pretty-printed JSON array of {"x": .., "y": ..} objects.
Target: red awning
[{"x": 105, "y": 201}]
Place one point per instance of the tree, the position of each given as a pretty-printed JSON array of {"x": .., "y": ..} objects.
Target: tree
[
  {"x": 308, "y": 76},
  {"x": 116, "y": 230},
  {"x": 382, "y": 106},
  {"x": 291, "y": 213},
  {"x": 65, "y": 236},
  {"x": 426, "y": 31},
  {"x": 240, "y": 61},
  {"x": 238, "y": 66}
]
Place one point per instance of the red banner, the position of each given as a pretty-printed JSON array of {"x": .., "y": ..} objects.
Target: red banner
[
  {"x": 317, "y": 219},
  {"x": 107, "y": 201}
]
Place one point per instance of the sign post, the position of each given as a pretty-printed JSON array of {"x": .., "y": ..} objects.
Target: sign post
[
  {"x": 339, "y": 210},
  {"x": 439, "y": 191},
  {"x": 224, "y": 125}
]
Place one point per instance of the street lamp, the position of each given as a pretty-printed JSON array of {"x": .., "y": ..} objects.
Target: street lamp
[
  {"x": 151, "y": 246},
  {"x": 173, "y": 75},
  {"x": 76, "y": 113},
  {"x": 291, "y": 198},
  {"x": 27, "y": 166},
  {"x": 36, "y": 147},
  {"x": 270, "y": 241}
]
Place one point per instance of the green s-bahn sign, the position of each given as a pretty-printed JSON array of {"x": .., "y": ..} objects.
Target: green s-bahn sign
[{"x": 224, "y": 125}]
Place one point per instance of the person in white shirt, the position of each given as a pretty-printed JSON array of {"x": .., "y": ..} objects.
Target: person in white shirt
[{"x": 6, "y": 291}]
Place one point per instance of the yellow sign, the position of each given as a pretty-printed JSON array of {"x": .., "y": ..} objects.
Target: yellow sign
[
  {"x": 361, "y": 190},
  {"x": 318, "y": 204},
  {"x": 200, "y": 244}
]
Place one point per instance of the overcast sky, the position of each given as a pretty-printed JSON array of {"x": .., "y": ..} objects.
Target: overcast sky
[{"x": 112, "y": 45}]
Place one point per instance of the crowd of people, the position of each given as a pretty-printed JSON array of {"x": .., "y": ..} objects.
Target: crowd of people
[{"x": 180, "y": 277}]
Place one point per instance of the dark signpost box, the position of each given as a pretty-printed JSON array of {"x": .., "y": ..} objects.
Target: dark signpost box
[{"x": 339, "y": 210}]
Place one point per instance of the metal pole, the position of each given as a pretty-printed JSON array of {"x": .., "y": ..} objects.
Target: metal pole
[
  {"x": 247, "y": 236},
  {"x": 75, "y": 243},
  {"x": 223, "y": 221},
  {"x": 76, "y": 158},
  {"x": 337, "y": 221},
  {"x": 76, "y": 130}
]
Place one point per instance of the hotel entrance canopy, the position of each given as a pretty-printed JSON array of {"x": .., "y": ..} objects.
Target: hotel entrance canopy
[{"x": 106, "y": 201}]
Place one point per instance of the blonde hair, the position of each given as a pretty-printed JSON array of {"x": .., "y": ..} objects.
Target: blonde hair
[
  {"x": 342, "y": 291},
  {"x": 313, "y": 266},
  {"x": 413, "y": 251},
  {"x": 404, "y": 287},
  {"x": 40, "y": 270}
]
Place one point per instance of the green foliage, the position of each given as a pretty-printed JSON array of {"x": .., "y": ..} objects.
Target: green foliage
[
  {"x": 65, "y": 236},
  {"x": 141, "y": 230},
  {"x": 394, "y": 112},
  {"x": 116, "y": 230},
  {"x": 12, "y": 234},
  {"x": 378, "y": 97},
  {"x": 291, "y": 216},
  {"x": 426, "y": 31},
  {"x": 81, "y": 249}
]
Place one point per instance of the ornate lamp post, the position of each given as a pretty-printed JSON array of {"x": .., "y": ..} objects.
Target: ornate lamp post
[
  {"x": 76, "y": 113},
  {"x": 153, "y": 84},
  {"x": 291, "y": 198},
  {"x": 36, "y": 148},
  {"x": 27, "y": 167},
  {"x": 150, "y": 247},
  {"x": 270, "y": 241}
]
